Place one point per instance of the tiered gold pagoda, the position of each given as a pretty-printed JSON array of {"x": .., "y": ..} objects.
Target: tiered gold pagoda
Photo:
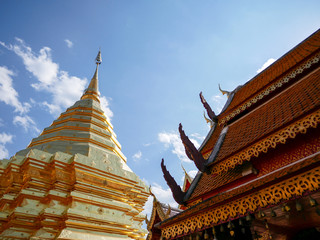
[{"x": 72, "y": 182}]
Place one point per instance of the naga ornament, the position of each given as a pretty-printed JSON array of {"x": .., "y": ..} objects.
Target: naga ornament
[
  {"x": 224, "y": 92},
  {"x": 191, "y": 151},
  {"x": 210, "y": 113},
  {"x": 177, "y": 193}
]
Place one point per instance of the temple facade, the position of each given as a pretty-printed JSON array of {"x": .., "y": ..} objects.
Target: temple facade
[
  {"x": 72, "y": 181},
  {"x": 161, "y": 211},
  {"x": 259, "y": 168}
]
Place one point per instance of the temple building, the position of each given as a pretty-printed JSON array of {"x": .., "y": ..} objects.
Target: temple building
[
  {"x": 161, "y": 211},
  {"x": 258, "y": 168},
  {"x": 72, "y": 181}
]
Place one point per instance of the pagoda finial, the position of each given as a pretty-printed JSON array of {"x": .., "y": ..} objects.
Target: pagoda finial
[
  {"x": 98, "y": 58},
  {"x": 92, "y": 90}
]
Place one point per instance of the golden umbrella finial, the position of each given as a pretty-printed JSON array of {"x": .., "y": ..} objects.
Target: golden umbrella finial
[{"x": 98, "y": 58}]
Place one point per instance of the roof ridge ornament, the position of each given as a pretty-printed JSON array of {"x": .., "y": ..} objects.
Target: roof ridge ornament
[
  {"x": 192, "y": 152},
  {"x": 224, "y": 92},
  {"x": 184, "y": 170},
  {"x": 177, "y": 193},
  {"x": 210, "y": 113},
  {"x": 190, "y": 179},
  {"x": 167, "y": 215},
  {"x": 208, "y": 120}
]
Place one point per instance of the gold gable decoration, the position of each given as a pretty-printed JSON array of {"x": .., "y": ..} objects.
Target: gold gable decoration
[
  {"x": 285, "y": 190},
  {"x": 301, "y": 126},
  {"x": 272, "y": 88}
]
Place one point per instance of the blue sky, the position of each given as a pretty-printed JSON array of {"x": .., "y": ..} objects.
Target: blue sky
[{"x": 157, "y": 57}]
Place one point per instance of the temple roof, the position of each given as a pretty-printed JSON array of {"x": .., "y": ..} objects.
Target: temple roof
[
  {"x": 160, "y": 212},
  {"x": 284, "y": 108},
  {"x": 257, "y": 91},
  {"x": 283, "y": 94},
  {"x": 262, "y": 81}
]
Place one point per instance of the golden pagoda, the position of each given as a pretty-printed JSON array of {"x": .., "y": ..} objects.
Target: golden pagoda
[{"x": 72, "y": 181}]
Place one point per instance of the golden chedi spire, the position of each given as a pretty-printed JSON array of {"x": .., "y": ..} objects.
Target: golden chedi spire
[
  {"x": 82, "y": 128},
  {"x": 92, "y": 91}
]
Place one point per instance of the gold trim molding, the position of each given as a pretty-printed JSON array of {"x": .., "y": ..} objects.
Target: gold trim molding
[
  {"x": 264, "y": 145},
  {"x": 285, "y": 190},
  {"x": 271, "y": 88},
  {"x": 194, "y": 202}
]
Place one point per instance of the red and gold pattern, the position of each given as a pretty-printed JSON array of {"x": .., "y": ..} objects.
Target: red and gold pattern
[
  {"x": 285, "y": 190},
  {"x": 264, "y": 145},
  {"x": 271, "y": 88}
]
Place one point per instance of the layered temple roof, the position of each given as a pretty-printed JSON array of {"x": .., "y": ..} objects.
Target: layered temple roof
[
  {"x": 266, "y": 139},
  {"x": 266, "y": 84},
  {"x": 160, "y": 212},
  {"x": 72, "y": 182}
]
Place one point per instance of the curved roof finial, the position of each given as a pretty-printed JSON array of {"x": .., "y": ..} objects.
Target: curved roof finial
[
  {"x": 186, "y": 175},
  {"x": 224, "y": 92},
  {"x": 208, "y": 120}
]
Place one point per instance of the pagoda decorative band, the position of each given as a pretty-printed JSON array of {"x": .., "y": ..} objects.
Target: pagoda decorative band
[{"x": 293, "y": 187}]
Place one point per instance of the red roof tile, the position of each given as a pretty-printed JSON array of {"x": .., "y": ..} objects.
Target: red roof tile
[
  {"x": 268, "y": 76},
  {"x": 210, "y": 182},
  {"x": 278, "y": 112}
]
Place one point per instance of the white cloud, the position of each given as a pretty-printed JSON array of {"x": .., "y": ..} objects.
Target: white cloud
[
  {"x": 147, "y": 144},
  {"x": 173, "y": 140},
  {"x": 147, "y": 209},
  {"x": 64, "y": 89},
  {"x": 163, "y": 195},
  {"x": 266, "y": 64},
  {"x": 197, "y": 136},
  {"x": 4, "y": 153},
  {"x": 218, "y": 103},
  {"x": 4, "y": 139},
  {"x": 8, "y": 94},
  {"x": 137, "y": 156},
  {"x": 104, "y": 103},
  {"x": 26, "y": 122},
  {"x": 193, "y": 173},
  {"x": 69, "y": 43}
]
